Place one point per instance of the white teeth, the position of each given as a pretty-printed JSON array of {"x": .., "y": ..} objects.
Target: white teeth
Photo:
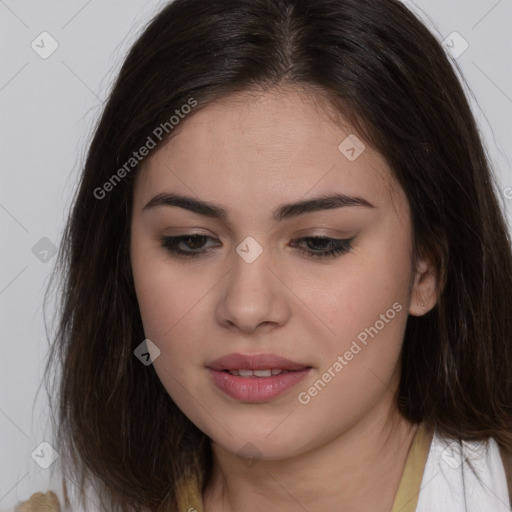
[
  {"x": 257, "y": 373},
  {"x": 262, "y": 373}
]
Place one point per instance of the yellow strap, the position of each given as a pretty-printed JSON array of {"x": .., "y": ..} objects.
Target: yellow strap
[
  {"x": 189, "y": 495},
  {"x": 408, "y": 492}
]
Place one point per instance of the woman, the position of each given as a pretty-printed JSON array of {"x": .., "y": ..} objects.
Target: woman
[{"x": 288, "y": 278}]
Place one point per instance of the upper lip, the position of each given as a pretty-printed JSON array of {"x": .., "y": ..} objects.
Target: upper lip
[{"x": 255, "y": 362}]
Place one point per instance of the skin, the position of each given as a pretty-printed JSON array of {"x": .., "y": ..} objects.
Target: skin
[{"x": 346, "y": 448}]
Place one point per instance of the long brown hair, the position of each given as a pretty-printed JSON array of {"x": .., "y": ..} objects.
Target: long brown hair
[{"x": 117, "y": 429}]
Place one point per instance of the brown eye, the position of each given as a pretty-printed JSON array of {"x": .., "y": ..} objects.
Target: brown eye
[
  {"x": 324, "y": 247},
  {"x": 190, "y": 246},
  {"x": 185, "y": 245}
]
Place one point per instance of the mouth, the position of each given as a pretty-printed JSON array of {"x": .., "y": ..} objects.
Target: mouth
[
  {"x": 258, "y": 373},
  {"x": 256, "y": 363},
  {"x": 256, "y": 377}
]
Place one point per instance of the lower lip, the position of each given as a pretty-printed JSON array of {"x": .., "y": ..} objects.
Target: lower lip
[{"x": 256, "y": 389}]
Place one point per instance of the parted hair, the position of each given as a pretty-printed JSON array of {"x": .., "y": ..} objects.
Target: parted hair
[{"x": 116, "y": 428}]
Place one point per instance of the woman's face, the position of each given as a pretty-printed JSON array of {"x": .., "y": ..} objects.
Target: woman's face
[{"x": 252, "y": 283}]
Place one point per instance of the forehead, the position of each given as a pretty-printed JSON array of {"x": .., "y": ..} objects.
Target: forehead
[{"x": 266, "y": 147}]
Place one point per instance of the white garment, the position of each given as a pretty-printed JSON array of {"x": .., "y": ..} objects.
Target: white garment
[{"x": 449, "y": 484}]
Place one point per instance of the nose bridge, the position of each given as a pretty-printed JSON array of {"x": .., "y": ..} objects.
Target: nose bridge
[
  {"x": 250, "y": 273},
  {"x": 250, "y": 270},
  {"x": 252, "y": 295}
]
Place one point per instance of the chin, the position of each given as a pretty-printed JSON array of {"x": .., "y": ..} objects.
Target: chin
[{"x": 259, "y": 445}]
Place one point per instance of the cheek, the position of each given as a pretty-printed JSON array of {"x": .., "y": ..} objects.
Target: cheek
[
  {"x": 156, "y": 306},
  {"x": 359, "y": 360},
  {"x": 173, "y": 303},
  {"x": 353, "y": 296},
  {"x": 169, "y": 304},
  {"x": 168, "y": 296},
  {"x": 365, "y": 309}
]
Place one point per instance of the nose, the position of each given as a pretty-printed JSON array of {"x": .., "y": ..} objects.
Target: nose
[{"x": 254, "y": 296}]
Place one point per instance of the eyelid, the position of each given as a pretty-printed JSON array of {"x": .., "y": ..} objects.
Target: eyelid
[
  {"x": 337, "y": 246},
  {"x": 323, "y": 232},
  {"x": 336, "y": 234}
]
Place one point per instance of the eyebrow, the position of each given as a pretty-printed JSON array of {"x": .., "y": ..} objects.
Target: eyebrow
[{"x": 280, "y": 213}]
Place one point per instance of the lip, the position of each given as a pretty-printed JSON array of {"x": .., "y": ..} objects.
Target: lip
[
  {"x": 256, "y": 389},
  {"x": 255, "y": 362}
]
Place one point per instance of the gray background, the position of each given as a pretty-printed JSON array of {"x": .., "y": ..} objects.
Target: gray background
[{"x": 48, "y": 108}]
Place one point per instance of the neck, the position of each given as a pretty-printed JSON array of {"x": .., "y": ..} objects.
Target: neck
[{"x": 360, "y": 469}]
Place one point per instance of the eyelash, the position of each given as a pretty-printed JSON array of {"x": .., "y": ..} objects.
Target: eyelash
[{"x": 338, "y": 246}]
